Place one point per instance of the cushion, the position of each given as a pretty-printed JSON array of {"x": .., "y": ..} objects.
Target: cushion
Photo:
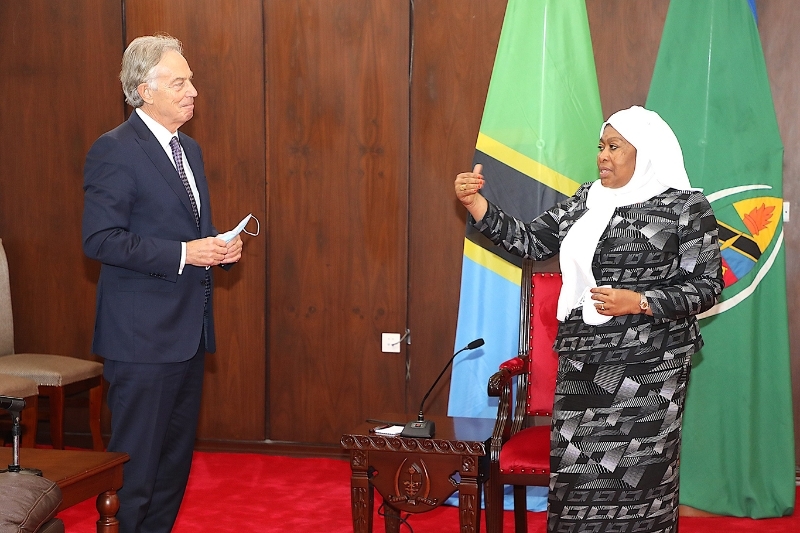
[
  {"x": 17, "y": 387},
  {"x": 527, "y": 452},
  {"x": 53, "y": 526},
  {"x": 28, "y": 502},
  {"x": 49, "y": 370}
]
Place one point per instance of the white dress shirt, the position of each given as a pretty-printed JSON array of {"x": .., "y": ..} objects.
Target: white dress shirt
[{"x": 163, "y": 136}]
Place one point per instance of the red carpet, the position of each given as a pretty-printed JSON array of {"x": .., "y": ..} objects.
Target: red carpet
[{"x": 232, "y": 493}]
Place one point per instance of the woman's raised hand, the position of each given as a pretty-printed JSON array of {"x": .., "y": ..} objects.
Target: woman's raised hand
[{"x": 468, "y": 185}]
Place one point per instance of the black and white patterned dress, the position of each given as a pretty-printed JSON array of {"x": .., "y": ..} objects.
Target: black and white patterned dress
[{"x": 620, "y": 390}]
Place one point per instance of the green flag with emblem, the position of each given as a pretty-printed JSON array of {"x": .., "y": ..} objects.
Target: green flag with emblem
[{"x": 710, "y": 84}]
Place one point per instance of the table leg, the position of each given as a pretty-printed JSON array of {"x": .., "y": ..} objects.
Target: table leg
[
  {"x": 107, "y": 506},
  {"x": 392, "y": 518},
  {"x": 362, "y": 502},
  {"x": 469, "y": 505}
]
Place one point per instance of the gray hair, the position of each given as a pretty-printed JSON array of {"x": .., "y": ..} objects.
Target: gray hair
[{"x": 139, "y": 62}]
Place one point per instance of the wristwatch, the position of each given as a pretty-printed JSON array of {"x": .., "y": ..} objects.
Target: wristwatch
[{"x": 643, "y": 303}]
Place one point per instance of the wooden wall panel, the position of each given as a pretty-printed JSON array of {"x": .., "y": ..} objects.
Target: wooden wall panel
[
  {"x": 338, "y": 168},
  {"x": 57, "y": 94},
  {"x": 454, "y": 48},
  {"x": 308, "y": 119},
  {"x": 625, "y": 38},
  {"x": 223, "y": 43}
]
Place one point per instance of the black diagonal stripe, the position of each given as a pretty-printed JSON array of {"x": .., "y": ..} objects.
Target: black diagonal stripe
[
  {"x": 739, "y": 241},
  {"x": 747, "y": 246},
  {"x": 517, "y": 194},
  {"x": 726, "y": 233}
]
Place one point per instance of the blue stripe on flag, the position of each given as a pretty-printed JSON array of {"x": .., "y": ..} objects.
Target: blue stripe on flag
[
  {"x": 536, "y": 498},
  {"x": 489, "y": 303}
]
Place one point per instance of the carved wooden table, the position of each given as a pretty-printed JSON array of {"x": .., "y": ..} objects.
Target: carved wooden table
[
  {"x": 80, "y": 475},
  {"x": 416, "y": 475}
]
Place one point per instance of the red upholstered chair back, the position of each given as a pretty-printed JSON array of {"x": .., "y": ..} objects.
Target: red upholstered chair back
[
  {"x": 542, "y": 329},
  {"x": 519, "y": 452}
]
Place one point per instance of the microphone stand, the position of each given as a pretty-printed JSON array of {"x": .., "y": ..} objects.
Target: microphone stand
[
  {"x": 426, "y": 429},
  {"x": 15, "y": 407}
]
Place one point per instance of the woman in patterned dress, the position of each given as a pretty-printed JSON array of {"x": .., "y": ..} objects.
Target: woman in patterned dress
[{"x": 640, "y": 259}]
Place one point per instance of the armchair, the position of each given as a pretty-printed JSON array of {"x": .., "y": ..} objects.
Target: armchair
[{"x": 520, "y": 443}]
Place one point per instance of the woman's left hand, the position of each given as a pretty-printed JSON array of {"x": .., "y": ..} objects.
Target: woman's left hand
[{"x": 616, "y": 302}]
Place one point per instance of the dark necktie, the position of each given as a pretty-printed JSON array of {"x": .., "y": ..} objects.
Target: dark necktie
[{"x": 177, "y": 154}]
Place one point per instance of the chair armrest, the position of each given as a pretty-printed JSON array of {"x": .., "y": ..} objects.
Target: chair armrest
[
  {"x": 500, "y": 386},
  {"x": 508, "y": 369}
]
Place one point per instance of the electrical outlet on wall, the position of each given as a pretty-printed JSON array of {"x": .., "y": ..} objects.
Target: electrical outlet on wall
[{"x": 390, "y": 342}]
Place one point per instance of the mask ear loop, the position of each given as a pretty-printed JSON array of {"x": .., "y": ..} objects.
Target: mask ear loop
[{"x": 258, "y": 227}]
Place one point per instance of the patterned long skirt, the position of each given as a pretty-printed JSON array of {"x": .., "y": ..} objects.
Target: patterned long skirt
[{"x": 615, "y": 445}]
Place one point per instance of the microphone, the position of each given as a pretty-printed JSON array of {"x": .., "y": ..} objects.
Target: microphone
[
  {"x": 15, "y": 407},
  {"x": 425, "y": 429},
  {"x": 9, "y": 403}
]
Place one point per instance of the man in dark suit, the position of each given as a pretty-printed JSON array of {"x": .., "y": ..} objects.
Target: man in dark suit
[{"x": 147, "y": 219}]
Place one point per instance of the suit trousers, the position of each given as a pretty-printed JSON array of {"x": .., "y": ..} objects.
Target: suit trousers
[{"x": 154, "y": 414}]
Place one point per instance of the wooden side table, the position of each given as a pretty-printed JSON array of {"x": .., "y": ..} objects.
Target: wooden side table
[
  {"x": 416, "y": 475},
  {"x": 80, "y": 475}
]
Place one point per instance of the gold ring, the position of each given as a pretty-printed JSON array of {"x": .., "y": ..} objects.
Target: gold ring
[{"x": 463, "y": 186}]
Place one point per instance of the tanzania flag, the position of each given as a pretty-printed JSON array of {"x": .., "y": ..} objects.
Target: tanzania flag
[
  {"x": 537, "y": 143},
  {"x": 710, "y": 84}
]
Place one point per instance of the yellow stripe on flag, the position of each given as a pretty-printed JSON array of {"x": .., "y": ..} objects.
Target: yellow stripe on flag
[
  {"x": 488, "y": 260},
  {"x": 526, "y": 165}
]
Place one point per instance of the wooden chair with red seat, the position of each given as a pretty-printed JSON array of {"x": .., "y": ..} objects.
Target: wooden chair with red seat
[
  {"x": 520, "y": 443},
  {"x": 57, "y": 376}
]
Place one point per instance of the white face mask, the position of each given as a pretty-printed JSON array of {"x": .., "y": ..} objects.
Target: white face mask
[
  {"x": 229, "y": 235},
  {"x": 258, "y": 226}
]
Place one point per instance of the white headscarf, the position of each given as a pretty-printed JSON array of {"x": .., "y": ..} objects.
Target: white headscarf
[{"x": 659, "y": 166}]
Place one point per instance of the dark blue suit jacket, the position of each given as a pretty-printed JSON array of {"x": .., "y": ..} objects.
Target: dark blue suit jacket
[{"x": 136, "y": 214}]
